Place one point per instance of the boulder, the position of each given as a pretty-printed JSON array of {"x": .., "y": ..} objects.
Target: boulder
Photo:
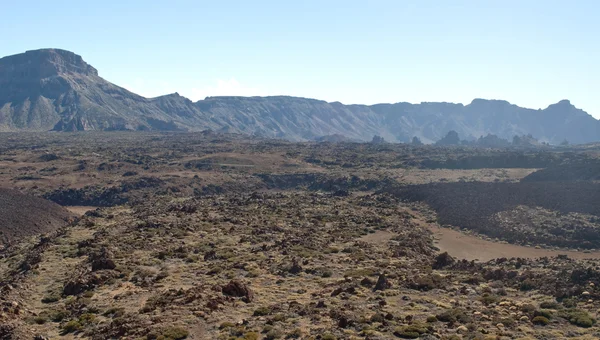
[{"x": 237, "y": 288}]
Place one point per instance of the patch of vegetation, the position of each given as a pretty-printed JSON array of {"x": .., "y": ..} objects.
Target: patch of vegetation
[
  {"x": 71, "y": 327},
  {"x": 169, "y": 333},
  {"x": 262, "y": 311},
  {"x": 488, "y": 299},
  {"x": 578, "y": 317},
  {"x": 51, "y": 298},
  {"x": 540, "y": 320},
  {"x": 454, "y": 315},
  {"x": 413, "y": 331},
  {"x": 550, "y": 305}
]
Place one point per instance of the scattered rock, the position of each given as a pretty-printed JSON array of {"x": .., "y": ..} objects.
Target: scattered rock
[
  {"x": 443, "y": 260},
  {"x": 102, "y": 260},
  {"x": 382, "y": 283},
  {"x": 238, "y": 289}
]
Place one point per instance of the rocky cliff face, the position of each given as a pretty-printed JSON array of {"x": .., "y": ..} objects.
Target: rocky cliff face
[
  {"x": 57, "y": 90},
  {"x": 40, "y": 64}
]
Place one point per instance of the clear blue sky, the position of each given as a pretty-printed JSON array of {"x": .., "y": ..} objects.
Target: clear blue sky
[{"x": 531, "y": 53}]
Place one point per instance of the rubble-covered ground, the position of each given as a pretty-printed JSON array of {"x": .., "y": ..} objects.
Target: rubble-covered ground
[{"x": 218, "y": 237}]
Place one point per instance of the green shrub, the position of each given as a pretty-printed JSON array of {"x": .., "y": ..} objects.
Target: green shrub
[
  {"x": 488, "y": 299},
  {"x": 540, "y": 320},
  {"x": 401, "y": 333},
  {"x": 454, "y": 315},
  {"x": 57, "y": 315},
  {"x": 527, "y": 308},
  {"x": 411, "y": 331},
  {"x": 356, "y": 273},
  {"x": 71, "y": 327},
  {"x": 544, "y": 312},
  {"x": 327, "y": 273},
  {"x": 226, "y": 325},
  {"x": 40, "y": 320},
  {"x": 508, "y": 322},
  {"x": 251, "y": 336},
  {"x": 278, "y": 318},
  {"x": 170, "y": 333},
  {"x": 295, "y": 334},
  {"x": 431, "y": 319},
  {"x": 51, "y": 298},
  {"x": 377, "y": 318},
  {"x": 262, "y": 311},
  {"x": 427, "y": 282},
  {"x": 332, "y": 250},
  {"x": 569, "y": 302},
  {"x": 273, "y": 334},
  {"x": 86, "y": 319},
  {"x": 549, "y": 305},
  {"x": 527, "y": 285},
  {"x": 328, "y": 336},
  {"x": 114, "y": 312},
  {"x": 578, "y": 317}
]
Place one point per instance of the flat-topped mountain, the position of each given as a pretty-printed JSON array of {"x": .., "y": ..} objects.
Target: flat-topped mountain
[{"x": 52, "y": 89}]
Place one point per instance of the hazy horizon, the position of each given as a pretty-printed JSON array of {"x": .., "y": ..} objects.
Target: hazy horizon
[{"x": 528, "y": 54}]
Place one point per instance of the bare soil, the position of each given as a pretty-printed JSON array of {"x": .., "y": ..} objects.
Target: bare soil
[
  {"x": 80, "y": 209},
  {"x": 22, "y": 215},
  {"x": 469, "y": 247}
]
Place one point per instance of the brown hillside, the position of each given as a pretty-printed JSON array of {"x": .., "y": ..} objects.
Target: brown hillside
[{"x": 22, "y": 215}]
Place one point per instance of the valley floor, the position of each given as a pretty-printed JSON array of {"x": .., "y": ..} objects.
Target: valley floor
[{"x": 216, "y": 237}]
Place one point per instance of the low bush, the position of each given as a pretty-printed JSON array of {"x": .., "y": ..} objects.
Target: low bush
[
  {"x": 544, "y": 312},
  {"x": 549, "y": 305},
  {"x": 578, "y": 317},
  {"x": 431, "y": 319},
  {"x": 262, "y": 311},
  {"x": 540, "y": 320},
  {"x": 454, "y": 315},
  {"x": 170, "y": 333},
  {"x": 488, "y": 299},
  {"x": 413, "y": 331},
  {"x": 70, "y": 327}
]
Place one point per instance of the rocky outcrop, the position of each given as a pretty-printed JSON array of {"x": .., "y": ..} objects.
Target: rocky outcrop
[{"x": 237, "y": 288}]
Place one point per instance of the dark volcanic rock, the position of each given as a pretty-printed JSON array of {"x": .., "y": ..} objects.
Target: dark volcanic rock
[
  {"x": 443, "y": 260},
  {"x": 382, "y": 283},
  {"x": 237, "y": 288},
  {"x": 102, "y": 260}
]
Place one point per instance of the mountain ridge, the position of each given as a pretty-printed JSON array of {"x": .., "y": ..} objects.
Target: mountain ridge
[{"x": 54, "y": 89}]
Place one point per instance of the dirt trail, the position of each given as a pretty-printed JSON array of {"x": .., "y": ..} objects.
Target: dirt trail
[{"x": 469, "y": 247}]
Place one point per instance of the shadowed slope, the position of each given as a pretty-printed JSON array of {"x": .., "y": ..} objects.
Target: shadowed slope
[{"x": 22, "y": 215}]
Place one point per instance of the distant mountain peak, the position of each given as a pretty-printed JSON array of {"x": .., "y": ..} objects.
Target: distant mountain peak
[
  {"x": 480, "y": 101},
  {"x": 44, "y": 63},
  {"x": 563, "y": 105},
  {"x": 54, "y": 89},
  {"x": 565, "y": 102}
]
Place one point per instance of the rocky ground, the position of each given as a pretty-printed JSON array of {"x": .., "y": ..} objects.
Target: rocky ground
[{"x": 240, "y": 244}]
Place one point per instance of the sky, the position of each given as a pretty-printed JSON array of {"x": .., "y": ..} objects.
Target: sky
[{"x": 532, "y": 53}]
